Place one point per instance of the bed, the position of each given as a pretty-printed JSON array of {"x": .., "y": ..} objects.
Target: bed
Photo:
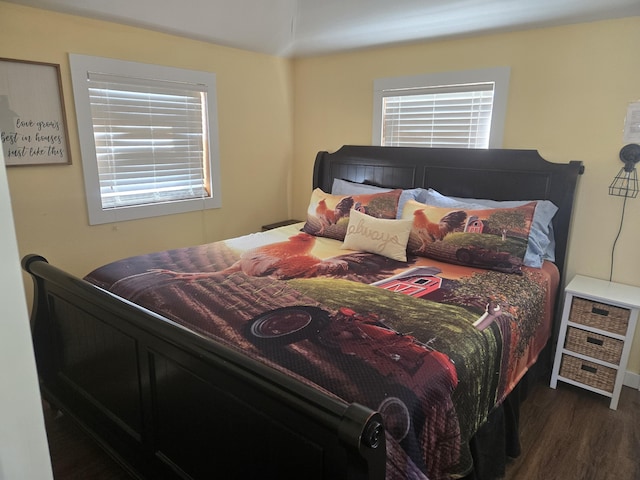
[{"x": 282, "y": 354}]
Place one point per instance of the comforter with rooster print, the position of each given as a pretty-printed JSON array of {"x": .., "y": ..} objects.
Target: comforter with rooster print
[{"x": 432, "y": 346}]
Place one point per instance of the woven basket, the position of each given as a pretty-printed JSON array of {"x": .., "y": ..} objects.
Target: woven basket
[
  {"x": 599, "y": 315},
  {"x": 594, "y": 345},
  {"x": 588, "y": 373}
]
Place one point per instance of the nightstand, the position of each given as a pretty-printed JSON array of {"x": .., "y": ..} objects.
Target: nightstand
[
  {"x": 283, "y": 223},
  {"x": 598, "y": 322}
]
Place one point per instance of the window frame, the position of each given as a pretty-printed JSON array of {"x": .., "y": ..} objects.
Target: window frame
[
  {"x": 498, "y": 75},
  {"x": 81, "y": 65}
]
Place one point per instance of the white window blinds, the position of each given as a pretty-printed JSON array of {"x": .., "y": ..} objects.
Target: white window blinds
[
  {"x": 151, "y": 139},
  {"x": 457, "y": 116},
  {"x": 458, "y": 109}
]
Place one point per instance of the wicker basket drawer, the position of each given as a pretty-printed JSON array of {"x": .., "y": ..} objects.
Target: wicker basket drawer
[
  {"x": 594, "y": 345},
  {"x": 589, "y": 373},
  {"x": 599, "y": 315}
]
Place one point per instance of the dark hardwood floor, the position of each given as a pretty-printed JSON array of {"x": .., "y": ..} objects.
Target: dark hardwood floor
[
  {"x": 571, "y": 434},
  {"x": 75, "y": 456},
  {"x": 567, "y": 434}
]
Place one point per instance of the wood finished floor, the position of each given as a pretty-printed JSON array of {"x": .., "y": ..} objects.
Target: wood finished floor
[
  {"x": 75, "y": 456},
  {"x": 567, "y": 434},
  {"x": 571, "y": 434}
]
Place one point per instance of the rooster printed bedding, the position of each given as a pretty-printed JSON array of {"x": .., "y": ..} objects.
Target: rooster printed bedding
[{"x": 374, "y": 307}]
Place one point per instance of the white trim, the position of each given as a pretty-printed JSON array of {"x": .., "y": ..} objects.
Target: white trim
[
  {"x": 81, "y": 65},
  {"x": 631, "y": 379},
  {"x": 499, "y": 75}
]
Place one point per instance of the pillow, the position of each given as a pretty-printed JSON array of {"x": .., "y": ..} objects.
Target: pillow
[
  {"x": 541, "y": 244},
  {"x": 346, "y": 187},
  {"x": 492, "y": 238},
  {"x": 328, "y": 215},
  {"x": 378, "y": 235}
]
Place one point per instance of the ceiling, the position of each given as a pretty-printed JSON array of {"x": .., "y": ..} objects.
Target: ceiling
[{"x": 294, "y": 28}]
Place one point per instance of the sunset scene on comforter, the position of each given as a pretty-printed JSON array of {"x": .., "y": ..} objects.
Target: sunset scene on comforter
[{"x": 432, "y": 346}]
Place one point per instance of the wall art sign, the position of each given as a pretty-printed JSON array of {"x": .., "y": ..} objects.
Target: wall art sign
[{"x": 32, "y": 116}]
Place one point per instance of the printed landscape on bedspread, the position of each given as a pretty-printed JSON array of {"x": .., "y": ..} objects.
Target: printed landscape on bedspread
[{"x": 432, "y": 346}]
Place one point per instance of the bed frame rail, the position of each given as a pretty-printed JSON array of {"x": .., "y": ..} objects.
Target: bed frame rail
[{"x": 176, "y": 405}]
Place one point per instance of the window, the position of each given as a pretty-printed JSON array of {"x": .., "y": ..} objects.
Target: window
[
  {"x": 148, "y": 137},
  {"x": 455, "y": 109}
]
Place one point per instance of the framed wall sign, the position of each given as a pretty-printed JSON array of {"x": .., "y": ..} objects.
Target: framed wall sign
[{"x": 32, "y": 116}]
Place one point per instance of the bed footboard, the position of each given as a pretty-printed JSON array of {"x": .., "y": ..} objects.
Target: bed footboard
[{"x": 168, "y": 403}]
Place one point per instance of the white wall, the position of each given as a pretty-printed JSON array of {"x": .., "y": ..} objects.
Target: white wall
[{"x": 24, "y": 453}]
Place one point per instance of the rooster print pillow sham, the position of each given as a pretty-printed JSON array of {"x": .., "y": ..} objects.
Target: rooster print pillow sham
[
  {"x": 328, "y": 215},
  {"x": 495, "y": 239}
]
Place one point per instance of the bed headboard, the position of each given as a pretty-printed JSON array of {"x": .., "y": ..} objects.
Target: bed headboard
[{"x": 496, "y": 174}]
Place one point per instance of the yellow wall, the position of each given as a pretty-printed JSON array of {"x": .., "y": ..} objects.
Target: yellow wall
[
  {"x": 254, "y": 94},
  {"x": 569, "y": 90}
]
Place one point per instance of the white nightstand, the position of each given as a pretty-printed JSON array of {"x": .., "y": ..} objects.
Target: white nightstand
[{"x": 598, "y": 322}]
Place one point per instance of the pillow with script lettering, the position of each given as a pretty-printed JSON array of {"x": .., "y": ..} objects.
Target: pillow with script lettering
[{"x": 378, "y": 235}]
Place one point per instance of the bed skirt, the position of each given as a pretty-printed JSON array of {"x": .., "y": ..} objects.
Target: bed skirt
[{"x": 498, "y": 440}]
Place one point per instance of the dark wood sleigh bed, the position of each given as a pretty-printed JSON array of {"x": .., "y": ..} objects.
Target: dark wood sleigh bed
[{"x": 167, "y": 402}]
